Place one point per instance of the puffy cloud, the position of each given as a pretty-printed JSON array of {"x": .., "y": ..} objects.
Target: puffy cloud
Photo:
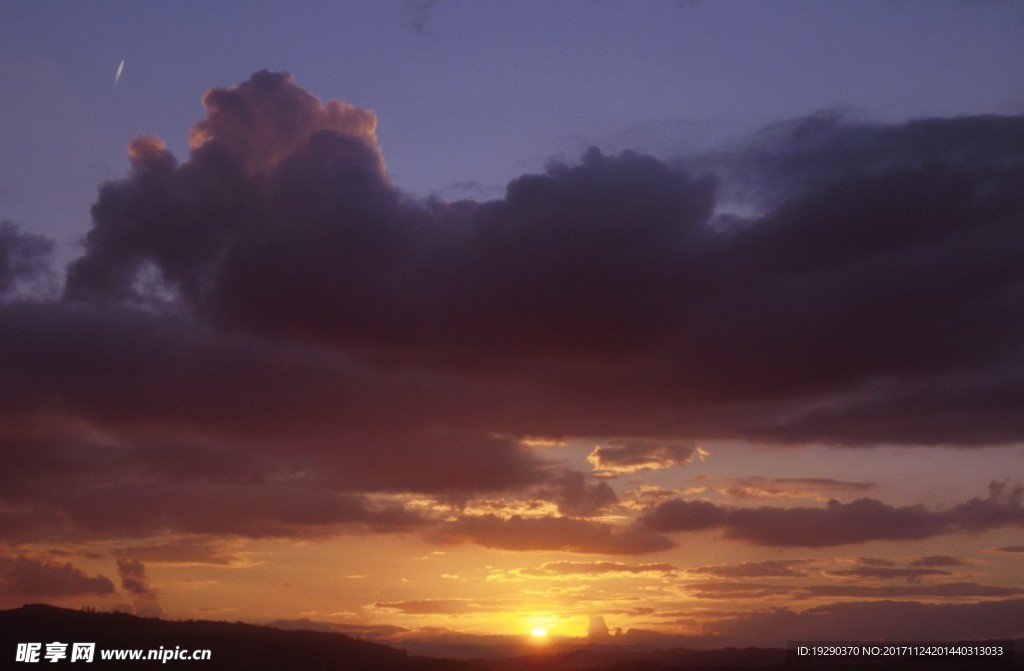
[
  {"x": 840, "y": 523},
  {"x": 629, "y": 456},
  {"x": 611, "y": 280},
  {"x": 262, "y": 121},
  {"x": 29, "y": 577},
  {"x": 549, "y": 533}
]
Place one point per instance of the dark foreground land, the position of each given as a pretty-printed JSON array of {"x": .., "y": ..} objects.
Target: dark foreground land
[{"x": 245, "y": 647}]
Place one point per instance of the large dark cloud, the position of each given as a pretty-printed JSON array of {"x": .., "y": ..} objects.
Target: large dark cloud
[
  {"x": 839, "y": 523},
  {"x": 270, "y": 329},
  {"x": 876, "y": 299}
]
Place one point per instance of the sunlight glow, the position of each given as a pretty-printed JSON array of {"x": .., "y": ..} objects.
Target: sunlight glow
[{"x": 539, "y": 632}]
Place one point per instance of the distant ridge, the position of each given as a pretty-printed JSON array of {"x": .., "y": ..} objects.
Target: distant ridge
[{"x": 234, "y": 646}]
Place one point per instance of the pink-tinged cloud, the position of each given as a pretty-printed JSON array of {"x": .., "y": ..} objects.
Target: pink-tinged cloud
[
  {"x": 29, "y": 577},
  {"x": 630, "y": 456},
  {"x": 262, "y": 121},
  {"x": 548, "y": 533},
  {"x": 838, "y": 523}
]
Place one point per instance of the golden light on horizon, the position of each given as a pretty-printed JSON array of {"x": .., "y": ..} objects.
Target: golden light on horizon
[{"x": 539, "y": 632}]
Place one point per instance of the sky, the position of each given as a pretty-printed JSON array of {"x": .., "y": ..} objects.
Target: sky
[{"x": 661, "y": 323}]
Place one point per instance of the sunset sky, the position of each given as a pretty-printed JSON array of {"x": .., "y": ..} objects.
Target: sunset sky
[{"x": 663, "y": 323}]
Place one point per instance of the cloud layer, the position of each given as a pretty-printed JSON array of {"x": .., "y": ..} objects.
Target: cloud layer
[
  {"x": 873, "y": 301},
  {"x": 839, "y": 523},
  {"x": 268, "y": 338}
]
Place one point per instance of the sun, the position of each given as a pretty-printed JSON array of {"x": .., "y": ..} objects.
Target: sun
[{"x": 539, "y": 632}]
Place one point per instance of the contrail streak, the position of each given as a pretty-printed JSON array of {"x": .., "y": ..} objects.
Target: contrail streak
[{"x": 120, "y": 69}]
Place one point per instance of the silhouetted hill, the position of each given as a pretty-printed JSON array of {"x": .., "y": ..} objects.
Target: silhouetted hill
[
  {"x": 233, "y": 645},
  {"x": 236, "y": 646}
]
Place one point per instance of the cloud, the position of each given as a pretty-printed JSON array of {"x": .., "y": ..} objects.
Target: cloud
[
  {"x": 186, "y": 552},
  {"x": 759, "y": 487},
  {"x": 269, "y": 330},
  {"x": 260, "y": 123},
  {"x": 886, "y": 573},
  {"x": 597, "y": 628},
  {"x": 630, "y": 456},
  {"x": 772, "y": 568},
  {"x": 28, "y": 577},
  {"x": 939, "y": 560},
  {"x": 611, "y": 279},
  {"x": 133, "y": 577},
  {"x": 145, "y": 599},
  {"x": 447, "y": 606},
  {"x": 939, "y": 590},
  {"x": 23, "y": 257},
  {"x": 838, "y": 523},
  {"x": 548, "y": 533},
  {"x": 603, "y": 568},
  {"x": 742, "y": 590},
  {"x": 880, "y": 620},
  {"x": 576, "y": 497}
]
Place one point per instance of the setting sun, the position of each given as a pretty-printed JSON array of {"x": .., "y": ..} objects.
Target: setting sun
[{"x": 539, "y": 632}]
